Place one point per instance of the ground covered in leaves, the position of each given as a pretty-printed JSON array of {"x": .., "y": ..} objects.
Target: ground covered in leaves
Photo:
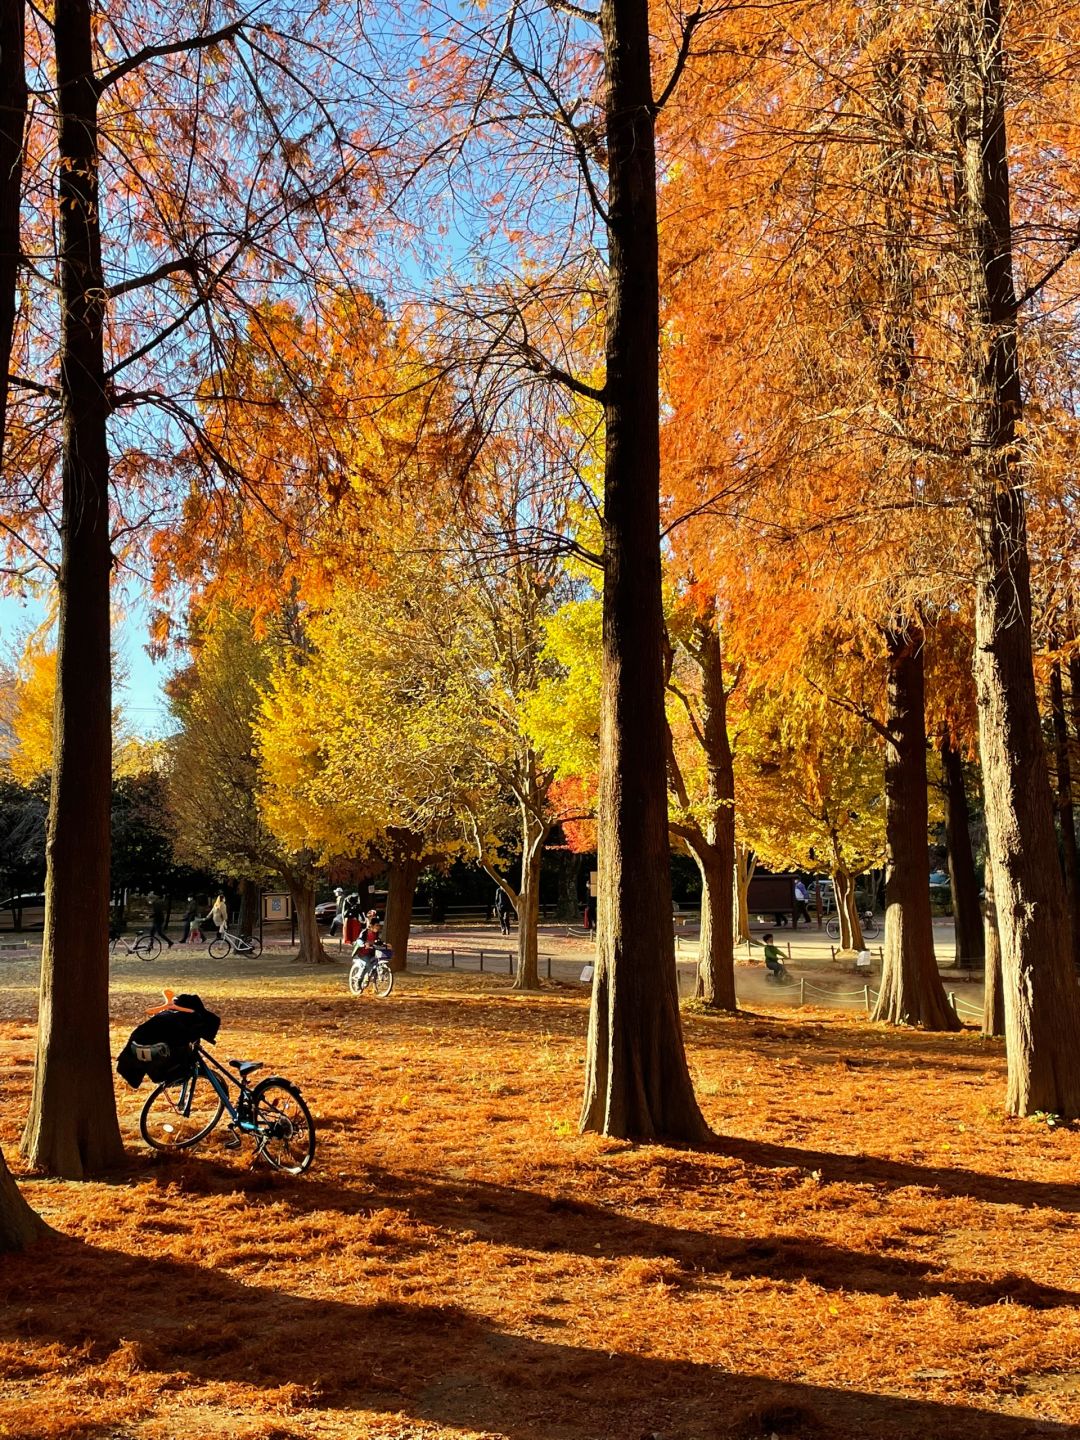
[{"x": 869, "y": 1250}]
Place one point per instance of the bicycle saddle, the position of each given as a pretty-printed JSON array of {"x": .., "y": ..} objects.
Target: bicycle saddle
[{"x": 245, "y": 1067}]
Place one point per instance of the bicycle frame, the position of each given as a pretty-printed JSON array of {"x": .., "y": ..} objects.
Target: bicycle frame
[{"x": 207, "y": 1068}]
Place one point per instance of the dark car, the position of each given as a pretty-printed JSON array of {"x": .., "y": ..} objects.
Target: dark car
[
  {"x": 324, "y": 911},
  {"x": 32, "y": 908}
]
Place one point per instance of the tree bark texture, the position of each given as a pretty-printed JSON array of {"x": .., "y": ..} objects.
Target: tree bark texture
[
  {"x": 963, "y": 878},
  {"x": 72, "y": 1128},
  {"x": 302, "y": 891},
  {"x": 249, "y": 907},
  {"x": 716, "y": 958},
  {"x": 637, "y": 1082},
  {"x": 19, "y": 1226},
  {"x": 993, "y": 996},
  {"x": 714, "y": 847},
  {"x": 533, "y": 834},
  {"x": 12, "y": 125},
  {"x": 1042, "y": 1001},
  {"x": 745, "y": 865},
  {"x": 404, "y": 873},
  {"x": 1065, "y": 809},
  {"x": 911, "y": 990},
  {"x": 847, "y": 909}
]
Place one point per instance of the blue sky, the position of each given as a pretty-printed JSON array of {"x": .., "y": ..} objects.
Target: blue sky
[{"x": 139, "y": 688}]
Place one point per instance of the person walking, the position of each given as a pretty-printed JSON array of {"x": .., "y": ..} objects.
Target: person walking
[
  {"x": 338, "y": 922},
  {"x": 157, "y": 919},
  {"x": 802, "y": 905},
  {"x": 190, "y": 915},
  {"x": 219, "y": 914},
  {"x": 502, "y": 910}
]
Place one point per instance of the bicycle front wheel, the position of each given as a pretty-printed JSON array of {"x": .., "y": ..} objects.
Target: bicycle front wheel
[
  {"x": 832, "y": 928},
  {"x": 870, "y": 927},
  {"x": 284, "y": 1127},
  {"x": 384, "y": 980},
  {"x": 180, "y": 1113},
  {"x": 147, "y": 947},
  {"x": 219, "y": 947}
]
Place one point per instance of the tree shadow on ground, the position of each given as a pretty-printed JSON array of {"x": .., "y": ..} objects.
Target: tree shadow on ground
[
  {"x": 527, "y": 1220},
  {"x": 439, "y": 1364}
]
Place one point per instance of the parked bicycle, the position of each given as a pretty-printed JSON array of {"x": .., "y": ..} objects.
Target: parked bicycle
[
  {"x": 145, "y": 944},
  {"x": 867, "y": 920},
  {"x": 196, "y": 1091},
  {"x": 226, "y": 943},
  {"x": 372, "y": 968}
]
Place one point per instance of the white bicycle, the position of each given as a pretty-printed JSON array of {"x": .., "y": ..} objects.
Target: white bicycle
[{"x": 371, "y": 969}]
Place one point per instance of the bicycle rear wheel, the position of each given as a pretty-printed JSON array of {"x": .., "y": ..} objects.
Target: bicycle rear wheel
[
  {"x": 870, "y": 927},
  {"x": 219, "y": 948},
  {"x": 284, "y": 1127},
  {"x": 180, "y": 1113},
  {"x": 250, "y": 945},
  {"x": 832, "y": 928},
  {"x": 147, "y": 946}
]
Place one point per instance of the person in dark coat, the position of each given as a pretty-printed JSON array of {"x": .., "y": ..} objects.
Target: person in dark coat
[{"x": 157, "y": 919}]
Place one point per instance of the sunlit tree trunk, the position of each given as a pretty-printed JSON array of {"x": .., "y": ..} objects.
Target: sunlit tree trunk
[
  {"x": 19, "y": 1226},
  {"x": 533, "y": 835},
  {"x": 847, "y": 910},
  {"x": 72, "y": 1129},
  {"x": 12, "y": 126},
  {"x": 963, "y": 878},
  {"x": 1042, "y": 1000},
  {"x": 637, "y": 1083},
  {"x": 745, "y": 864},
  {"x": 18, "y": 1223},
  {"x": 911, "y": 990},
  {"x": 404, "y": 873},
  {"x": 993, "y": 998},
  {"x": 712, "y": 843},
  {"x": 301, "y": 888}
]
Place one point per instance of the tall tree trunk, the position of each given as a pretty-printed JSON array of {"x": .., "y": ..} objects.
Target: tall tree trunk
[
  {"x": 911, "y": 990},
  {"x": 847, "y": 910},
  {"x": 716, "y": 960},
  {"x": 569, "y": 873},
  {"x": 993, "y": 995},
  {"x": 637, "y": 1082},
  {"x": 19, "y": 1226},
  {"x": 533, "y": 835},
  {"x": 1066, "y": 812},
  {"x": 716, "y": 858},
  {"x": 745, "y": 864},
  {"x": 404, "y": 873},
  {"x": 12, "y": 126},
  {"x": 72, "y": 1128},
  {"x": 963, "y": 879},
  {"x": 302, "y": 890},
  {"x": 18, "y": 1223},
  {"x": 1042, "y": 1001},
  {"x": 249, "y": 907}
]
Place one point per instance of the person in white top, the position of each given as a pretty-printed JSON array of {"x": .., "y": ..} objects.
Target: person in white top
[{"x": 219, "y": 914}]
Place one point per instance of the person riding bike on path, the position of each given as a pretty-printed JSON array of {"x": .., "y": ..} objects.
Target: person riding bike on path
[{"x": 774, "y": 958}]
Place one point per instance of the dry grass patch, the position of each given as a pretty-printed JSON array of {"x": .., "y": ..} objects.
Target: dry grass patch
[{"x": 870, "y": 1250}]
